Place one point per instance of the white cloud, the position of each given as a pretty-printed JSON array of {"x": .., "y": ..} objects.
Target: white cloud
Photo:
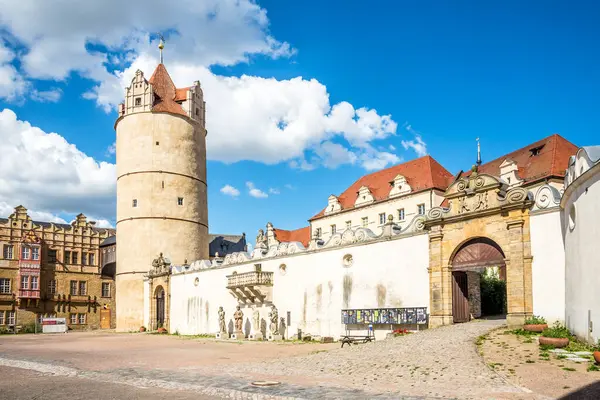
[
  {"x": 418, "y": 145},
  {"x": 41, "y": 216},
  {"x": 49, "y": 96},
  {"x": 52, "y": 176},
  {"x": 255, "y": 192},
  {"x": 230, "y": 191},
  {"x": 112, "y": 149},
  {"x": 289, "y": 186},
  {"x": 274, "y": 191},
  {"x": 276, "y": 121}
]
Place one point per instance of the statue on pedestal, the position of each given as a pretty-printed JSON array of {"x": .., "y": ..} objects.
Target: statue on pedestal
[
  {"x": 222, "y": 328},
  {"x": 274, "y": 317},
  {"x": 261, "y": 239},
  {"x": 238, "y": 316},
  {"x": 256, "y": 319}
]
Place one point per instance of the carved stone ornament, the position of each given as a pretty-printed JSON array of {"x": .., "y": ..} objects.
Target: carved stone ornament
[
  {"x": 160, "y": 265},
  {"x": 222, "y": 328},
  {"x": 238, "y": 317},
  {"x": 274, "y": 318},
  {"x": 261, "y": 239}
]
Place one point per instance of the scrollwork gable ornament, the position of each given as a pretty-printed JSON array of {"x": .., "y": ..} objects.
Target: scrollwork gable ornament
[
  {"x": 333, "y": 205},
  {"x": 363, "y": 197},
  {"x": 547, "y": 197},
  {"x": 399, "y": 186}
]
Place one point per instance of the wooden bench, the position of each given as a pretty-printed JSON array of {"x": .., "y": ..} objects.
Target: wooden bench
[{"x": 349, "y": 340}]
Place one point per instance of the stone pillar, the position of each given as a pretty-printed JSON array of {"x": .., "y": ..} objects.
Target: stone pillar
[
  {"x": 518, "y": 273},
  {"x": 440, "y": 281},
  {"x": 474, "y": 288}
]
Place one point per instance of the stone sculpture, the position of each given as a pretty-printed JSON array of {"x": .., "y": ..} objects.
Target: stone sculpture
[
  {"x": 256, "y": 319},
  {"x": 238, "y": 316},
  {"x": 274, "y": 317},
  {"x": 222, "y": 328},
  {"x": 159, "y": 264},
  {"x": 261, "y": 240}
]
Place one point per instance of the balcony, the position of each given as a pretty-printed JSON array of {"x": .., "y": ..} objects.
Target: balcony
[
  {"x": 29, "y": 293},
  {"x": 251, "y": 287}
]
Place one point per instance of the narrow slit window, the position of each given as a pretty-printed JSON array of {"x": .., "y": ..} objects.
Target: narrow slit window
[{"x": 180, "y": 201}]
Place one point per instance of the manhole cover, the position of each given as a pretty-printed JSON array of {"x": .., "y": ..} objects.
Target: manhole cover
[{"x": 265, "y": 383}]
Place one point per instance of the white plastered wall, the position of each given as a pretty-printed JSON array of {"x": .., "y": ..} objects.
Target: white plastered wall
[{"x": 314, "y": 288}]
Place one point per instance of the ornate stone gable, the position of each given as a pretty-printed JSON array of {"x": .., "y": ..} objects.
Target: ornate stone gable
[
  {"x": 479, "y": 194},
  {"x": 333, "y": 205},
  {"x": 399, "y": 186}
]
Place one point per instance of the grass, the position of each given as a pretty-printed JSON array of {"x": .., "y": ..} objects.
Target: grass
[
  {"x": 561, "y": 356},
  {"x": 575, "y": 345},
  {"x": 569, "y": 369},
  {"x": 481, "y": 339},
  {"x": 529, "y": 361},
  {"x": 522, "y": 332},
  {"x": 592, "y": 367}
]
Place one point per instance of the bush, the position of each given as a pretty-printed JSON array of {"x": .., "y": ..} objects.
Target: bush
[
  {"x": 493, "y": 295},
  {"x": 535, "y": 320},
  {"x": 557, "y": 331}
]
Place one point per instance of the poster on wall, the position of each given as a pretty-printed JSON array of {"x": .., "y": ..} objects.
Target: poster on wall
[{"x": 394, "y": 316}]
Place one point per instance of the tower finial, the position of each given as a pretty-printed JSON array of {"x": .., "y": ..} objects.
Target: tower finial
[
  {"x": 478, "y": 152},
  {"x": 161, "y": 46}
]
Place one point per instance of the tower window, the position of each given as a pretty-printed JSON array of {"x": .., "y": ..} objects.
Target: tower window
[
  {"x": 157, "y": 143},
  {"x": 180, "y": 201},
  {"x": 134, "y": 203},
  {"x": 163, "y": 184},
  {"x": 197, "y": 111},
  {"x": 138, "y": 101}
]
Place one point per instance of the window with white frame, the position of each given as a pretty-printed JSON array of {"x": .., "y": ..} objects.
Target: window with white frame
[
  {"x": 1, "y": 317},
  {"x": 333, "y": 229},
  {"x": 24, "y": 282},
  {"x": 318, "y": 232},
  {"x": 4, "y": 285},
  {"x": 365, "y": 221},
  {"x": 381, "y": 218},
  {"x": 52, "y": 287},
  {"x": 35, "y": 253},
  {"x": 421, "y": 209},
  {"x": 401, "y": 214},
  {"x": 105, "y": 289},
  {"x": 82, "y": 319},
  {"x": 34, "y": 283},
  {"x": 8, "y": 251},
  {"x": 82, "y": 288},
  {"x": 10, "y": 317},
  {"x": 73, "y": 318},
  {"x": 25, "y": 252},
  {"x": 73, "y": 288},
  {"x": 348, "y": 224}
]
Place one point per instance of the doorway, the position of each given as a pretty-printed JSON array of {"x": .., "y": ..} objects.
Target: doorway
[
  {"x": 160, "y": 307},
  {"x": 105, "y": 318}
]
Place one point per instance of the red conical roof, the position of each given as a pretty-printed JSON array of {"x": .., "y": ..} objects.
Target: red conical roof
[{"x": 164, "y": 92}]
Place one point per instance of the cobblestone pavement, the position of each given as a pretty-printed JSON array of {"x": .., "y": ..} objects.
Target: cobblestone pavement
[{"x": 437, "y": 363}]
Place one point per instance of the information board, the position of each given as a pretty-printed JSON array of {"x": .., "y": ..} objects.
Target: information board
[{"x": 380, "y": 316}]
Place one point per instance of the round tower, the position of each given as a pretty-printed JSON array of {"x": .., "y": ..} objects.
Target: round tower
[{"x": 161, "y": 185}]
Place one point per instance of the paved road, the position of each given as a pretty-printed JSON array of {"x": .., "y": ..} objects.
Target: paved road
[
  {"x": 437, "y": 363},
  {"x": 19, "y": 384}
]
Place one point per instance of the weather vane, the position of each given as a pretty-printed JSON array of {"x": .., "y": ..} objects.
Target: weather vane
[{"x": 161, "y": 46}]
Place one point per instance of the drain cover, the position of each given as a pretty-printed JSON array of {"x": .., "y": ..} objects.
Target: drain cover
[{"x": 265, "y": 383}]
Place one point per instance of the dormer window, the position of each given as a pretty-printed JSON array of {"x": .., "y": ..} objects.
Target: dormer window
[{"x": 536, "y": 151}]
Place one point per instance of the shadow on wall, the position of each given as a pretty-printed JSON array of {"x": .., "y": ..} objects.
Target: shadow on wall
[
  {"x": 247, "y": 327},
  {"x": 381, "y": 295},
  {"x": 263, "y": 327},
  {"x": 347, "y": 285},
  {"x": 282, "y": 328},
  {"x": 230, "y": 327}
]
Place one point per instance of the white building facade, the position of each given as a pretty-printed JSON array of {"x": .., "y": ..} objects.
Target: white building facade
[{"x": 581, "y": 229}]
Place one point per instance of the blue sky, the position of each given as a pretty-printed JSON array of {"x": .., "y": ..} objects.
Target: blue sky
[{"x": 507, "y": 72}]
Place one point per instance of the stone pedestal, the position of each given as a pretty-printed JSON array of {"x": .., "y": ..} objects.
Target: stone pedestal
[
  {"x": 256, "y": 336},
  {"x": 221, "y": 335},
  {"x": 274, "y": 338},
  {"x": 239, "y": 335}
]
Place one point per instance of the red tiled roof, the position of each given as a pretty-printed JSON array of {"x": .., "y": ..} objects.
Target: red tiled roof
[
  {"x": 301, "y": 235},
  {"x": 181, "y": 93},
  {"x": 551, "y": 161},
  {"x": 165, "y": 92},
  {"x": 421, "y": 174}
]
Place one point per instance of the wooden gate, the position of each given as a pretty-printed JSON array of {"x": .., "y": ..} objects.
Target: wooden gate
[
  {"x": 460, "y": 297},
  {"x": 105, "y": 319},
  {"x": 160, "y": 309}
]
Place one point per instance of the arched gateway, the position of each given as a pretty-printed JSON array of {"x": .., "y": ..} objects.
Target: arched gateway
[
  {"x": 468, "y": 262},
  {"x": 485, "y": 224}
]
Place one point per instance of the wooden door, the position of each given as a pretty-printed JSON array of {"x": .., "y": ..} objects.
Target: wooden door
[
  {"x": 160, "y": 309},
  {"x": 104, "y": 319},
  {"x": 460, "y": 297}
]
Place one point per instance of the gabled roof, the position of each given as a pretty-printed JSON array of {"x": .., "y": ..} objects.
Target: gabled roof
[
  {"x": 226, "y": 244},
  {"x": 165, "y": 92},
  {"x": 421, "y": 174},
  {"x": 546, "y": 158},
  {"x": 301, "y": 235}
]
